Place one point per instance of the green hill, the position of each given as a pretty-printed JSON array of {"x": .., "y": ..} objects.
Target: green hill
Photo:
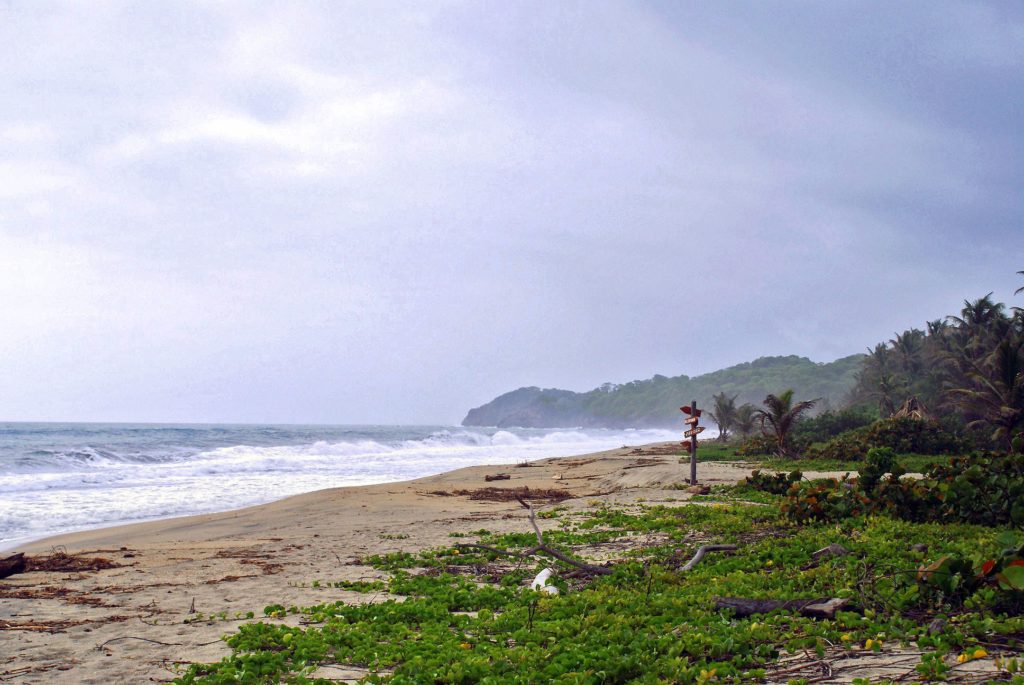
[{"x": 655, "y": 402}]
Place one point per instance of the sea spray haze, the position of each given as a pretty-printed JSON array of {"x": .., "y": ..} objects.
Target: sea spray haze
[{"x": 57, "y": 478}]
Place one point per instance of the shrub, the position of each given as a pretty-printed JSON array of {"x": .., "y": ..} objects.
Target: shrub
[
  {"x": 766, "y": 445},
  {"x": 774, "y": 483},
  {"x": 984, "y": 488},
  {"x": 756, "y": 446},
  {"x": 904, "y": 435},
  {"x": 829, "y": 424}
]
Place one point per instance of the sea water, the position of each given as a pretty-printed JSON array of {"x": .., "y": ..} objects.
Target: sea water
[{"x": 58, "y": 478}]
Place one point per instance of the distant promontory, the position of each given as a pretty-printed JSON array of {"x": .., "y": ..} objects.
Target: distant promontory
[{"x": 655, "y": 402}]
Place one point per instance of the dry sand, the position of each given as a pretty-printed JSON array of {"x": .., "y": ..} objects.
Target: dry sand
[{"x": 127, "y": 624}]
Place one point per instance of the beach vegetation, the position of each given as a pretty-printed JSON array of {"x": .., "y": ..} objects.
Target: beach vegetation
[
  {"x": 457, "y": 616},
  {"x": 905, "y": 435}
]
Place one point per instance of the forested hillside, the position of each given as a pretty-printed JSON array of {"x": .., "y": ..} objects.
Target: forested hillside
[{"x": 655, "y": 402}]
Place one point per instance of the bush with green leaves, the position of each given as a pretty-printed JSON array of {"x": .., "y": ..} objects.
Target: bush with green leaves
[
  {"x": 830, "y": 423},
  {"x": 904, "y": 435},
  {"x": 773, "y": 483},
  {"x": 997, "y": 582},
  {"x": 756, "y": 446},
  {"x": 984, "y": 488}
]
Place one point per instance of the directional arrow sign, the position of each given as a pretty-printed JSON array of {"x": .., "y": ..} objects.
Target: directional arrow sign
[
  {"x": 693, "y": 431},
  {"x": 692, "y": 419},
  {"x": 687, "y": 410}
]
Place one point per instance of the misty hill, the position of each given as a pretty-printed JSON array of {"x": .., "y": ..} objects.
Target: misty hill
[{"x": 655, "y": 402}]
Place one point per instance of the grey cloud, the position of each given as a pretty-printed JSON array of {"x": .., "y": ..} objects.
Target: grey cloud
[{"x": 352, "y": 212}]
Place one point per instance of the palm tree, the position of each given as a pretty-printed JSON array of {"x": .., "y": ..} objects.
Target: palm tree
[
  {"x": 909, "y": 345},
  {"x": 781, "y": 416},
  {"x": 877, "y": 379},
  {"x": 746, "y": 419},
  {"x": 724, "y": 414},
  {"x": 979, "y": 322},
  {"x": 990, "y": 389},
  {"x": 980, "y": 313}
]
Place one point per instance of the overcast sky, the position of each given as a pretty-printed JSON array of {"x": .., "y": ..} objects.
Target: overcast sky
[{"x": 390, "y": 212}]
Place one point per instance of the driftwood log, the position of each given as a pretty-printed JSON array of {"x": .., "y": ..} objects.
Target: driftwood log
[
  {"x": 704, "y": 549},
  {"x": 834, "y": 550},
  {"x": 497, "y": 476},
  {"x": 12, "y": 564},
  {"x": 811, "y": 608}
]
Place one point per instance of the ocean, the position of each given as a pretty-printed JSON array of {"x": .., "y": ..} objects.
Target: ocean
[{"x": 58, "y": 478}]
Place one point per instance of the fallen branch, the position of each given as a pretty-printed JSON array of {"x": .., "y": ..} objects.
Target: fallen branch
[
  {"x": 540, "y": 547},
  {"x": 704, "y": 549},
  {"x": 811, "y": 608}
]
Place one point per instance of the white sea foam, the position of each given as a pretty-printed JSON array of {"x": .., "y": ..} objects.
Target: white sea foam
[{"x": 84, "y": 488}]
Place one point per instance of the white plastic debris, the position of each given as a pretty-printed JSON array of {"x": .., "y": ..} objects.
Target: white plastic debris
[{"x": 541, "y": 582}]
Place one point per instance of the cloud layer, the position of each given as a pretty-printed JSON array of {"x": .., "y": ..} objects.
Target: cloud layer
[{"x": 365, "y": 212}]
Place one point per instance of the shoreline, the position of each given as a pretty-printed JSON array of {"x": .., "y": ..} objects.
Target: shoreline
[
  {"x": 169, "y": 571},
  {"x": 59, "y": 482}
]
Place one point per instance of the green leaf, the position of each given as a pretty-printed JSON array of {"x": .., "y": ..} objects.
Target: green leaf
[{"x": 1012, "y": 578}]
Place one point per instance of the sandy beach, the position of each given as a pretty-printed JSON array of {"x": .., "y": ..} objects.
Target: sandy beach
[{"x": 127, "y": 623}]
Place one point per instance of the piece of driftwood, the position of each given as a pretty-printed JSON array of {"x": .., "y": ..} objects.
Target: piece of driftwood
[
  {"x": 497, "y": 476},
  {"x": 833, "y": 550},
  {"x": 704, "y": 549},
  {"x": 817, "y": 558},
  {"x": 12, "y": 564},
  {"x": 811, "y": 608}
]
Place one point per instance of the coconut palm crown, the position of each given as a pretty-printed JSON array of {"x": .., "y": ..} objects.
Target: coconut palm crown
[{"x": 779, "y": 417}]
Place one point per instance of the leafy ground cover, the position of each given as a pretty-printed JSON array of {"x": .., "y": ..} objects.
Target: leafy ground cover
[{"x": 457, "y": 615}]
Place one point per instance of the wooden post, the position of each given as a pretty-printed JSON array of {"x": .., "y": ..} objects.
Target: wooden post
[
  {"x": 693, "y": 446},
  {"x": 692, "y": 419}
]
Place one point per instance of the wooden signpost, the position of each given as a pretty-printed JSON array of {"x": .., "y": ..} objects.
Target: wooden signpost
[{"x": 692, "y": 419}]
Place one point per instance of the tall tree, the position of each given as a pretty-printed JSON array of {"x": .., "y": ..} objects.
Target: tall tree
[
  {"x": 724, "y": 414},
  {"x": 779, "y": 417},
  {"x": 909, "y": 348},
  {"x": 746, "y": 419},
  {"x": 987, "y": 386},
  {"x": 878, "y": 381}
]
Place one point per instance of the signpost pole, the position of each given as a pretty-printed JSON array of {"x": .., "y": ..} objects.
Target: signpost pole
[{"x": 693, "y": 446}]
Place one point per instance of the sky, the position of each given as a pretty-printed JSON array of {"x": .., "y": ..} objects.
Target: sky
[{"x": 390, "y": 212}]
